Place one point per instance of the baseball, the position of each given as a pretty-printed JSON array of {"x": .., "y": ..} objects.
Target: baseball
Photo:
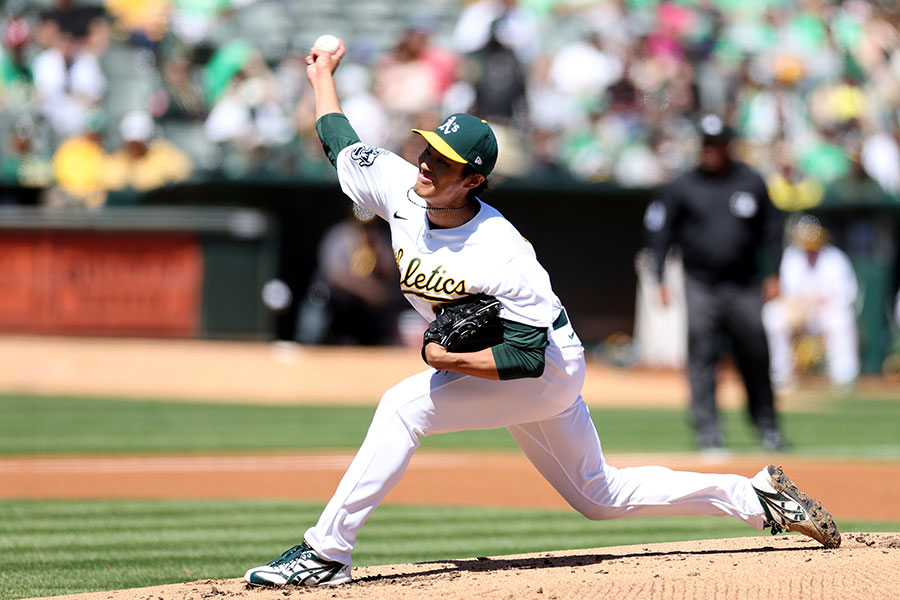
[{"x": 327, "y": 43}]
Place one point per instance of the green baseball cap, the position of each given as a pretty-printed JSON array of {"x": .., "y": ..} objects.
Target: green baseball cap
[{"x": 465, "y": 139}]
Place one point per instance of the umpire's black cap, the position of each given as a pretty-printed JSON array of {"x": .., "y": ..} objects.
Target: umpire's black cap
[{"x": 714, "y": 130}]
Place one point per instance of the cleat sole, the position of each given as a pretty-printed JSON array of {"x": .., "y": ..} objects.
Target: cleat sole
[{"x": 821, "y": 519}]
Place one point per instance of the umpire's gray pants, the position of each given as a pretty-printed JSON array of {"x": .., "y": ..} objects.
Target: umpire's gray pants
[{"x": 735, "y": 310}]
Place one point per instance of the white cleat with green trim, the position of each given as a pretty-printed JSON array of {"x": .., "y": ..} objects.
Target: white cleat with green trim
[
  {"x": 299, "y": 566},
  {"x": 789, "y": 509}
]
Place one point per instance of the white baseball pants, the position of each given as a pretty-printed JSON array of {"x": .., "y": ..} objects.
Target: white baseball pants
[{"x": 549, "y": 420}]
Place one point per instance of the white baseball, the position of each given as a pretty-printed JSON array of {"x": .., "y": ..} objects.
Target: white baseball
[{"x": 327, "y": 43}]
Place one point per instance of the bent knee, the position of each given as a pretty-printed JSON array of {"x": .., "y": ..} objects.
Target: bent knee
[
  {"x": 390, "y": 406},
  {"x": 597, "y": 510},
  {"x": 397, "y": 406},
  {"x": 600, "y": 512}
]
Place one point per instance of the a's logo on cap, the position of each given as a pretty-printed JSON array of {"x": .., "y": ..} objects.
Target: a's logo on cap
[
  {"x": 450, "y": 125},
  {"x": 477, "y": 160}
]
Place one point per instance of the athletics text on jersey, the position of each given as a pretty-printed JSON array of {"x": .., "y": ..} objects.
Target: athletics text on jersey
[{"x": 433, "y": 267}]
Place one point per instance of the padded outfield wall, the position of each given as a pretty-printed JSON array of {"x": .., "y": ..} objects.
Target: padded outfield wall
[{"x": 586, "y": 235}]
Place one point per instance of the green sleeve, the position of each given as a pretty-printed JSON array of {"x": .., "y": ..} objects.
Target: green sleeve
[
  {"x": 522, "y": 352},
  {"x": 336, "y": 133}
]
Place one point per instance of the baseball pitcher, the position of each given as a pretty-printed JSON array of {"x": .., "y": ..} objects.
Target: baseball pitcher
[{"x": 460, "y": 257}]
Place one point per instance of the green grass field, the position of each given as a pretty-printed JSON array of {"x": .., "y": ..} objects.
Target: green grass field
[
  {"x": 60, "y": 546},
  {"x": 857, "y": 427}
]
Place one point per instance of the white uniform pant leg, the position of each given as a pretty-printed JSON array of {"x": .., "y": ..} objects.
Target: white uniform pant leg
[
  {"x": 777, "y": 323},
  {"x": 427, "y": 403},
  {"x": 566, "y": 450},
  {"x": 838, "y": 325}
]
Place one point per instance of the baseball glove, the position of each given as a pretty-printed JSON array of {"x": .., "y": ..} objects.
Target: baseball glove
[{"x": 466, "y": 325}]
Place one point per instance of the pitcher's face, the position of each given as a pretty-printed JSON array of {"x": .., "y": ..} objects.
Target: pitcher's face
[{"x": 442, "y": 180}]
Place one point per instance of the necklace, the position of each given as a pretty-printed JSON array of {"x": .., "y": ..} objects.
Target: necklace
[{"x": 426, "y": 207}]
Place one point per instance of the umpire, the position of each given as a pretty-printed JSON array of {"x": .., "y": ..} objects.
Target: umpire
[{"x": 719, "y": 215}]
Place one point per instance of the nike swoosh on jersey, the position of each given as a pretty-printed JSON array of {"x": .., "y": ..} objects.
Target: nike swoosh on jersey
[{"x": 397, "y": 216}]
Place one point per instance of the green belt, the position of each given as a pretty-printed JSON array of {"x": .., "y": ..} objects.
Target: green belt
[{"x": 561, "y": 321}]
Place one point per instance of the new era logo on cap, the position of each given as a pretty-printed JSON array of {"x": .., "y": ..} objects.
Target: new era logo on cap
[{"x": 465, "y": 139}]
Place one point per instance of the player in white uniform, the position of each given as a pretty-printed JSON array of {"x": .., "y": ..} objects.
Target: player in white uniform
[
  {"x": 818, "y": 292},
  {"x": 449, "y": 244}
]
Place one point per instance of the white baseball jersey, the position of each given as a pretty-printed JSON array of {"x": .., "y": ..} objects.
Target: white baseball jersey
[
  {"x": 831, "y": 276},
  {"x": 486, "y": 254}
]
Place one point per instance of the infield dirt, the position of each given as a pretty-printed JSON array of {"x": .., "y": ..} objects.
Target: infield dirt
[{"x": 780, "y": 568}]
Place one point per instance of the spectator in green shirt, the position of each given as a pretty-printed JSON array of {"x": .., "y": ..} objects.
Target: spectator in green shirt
[{"x": 16, "y": 82}]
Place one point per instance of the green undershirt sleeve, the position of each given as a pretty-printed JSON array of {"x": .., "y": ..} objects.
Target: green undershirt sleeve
[
  {"x": 522, "y": 352},
  {"x": 336, "y": 133}
]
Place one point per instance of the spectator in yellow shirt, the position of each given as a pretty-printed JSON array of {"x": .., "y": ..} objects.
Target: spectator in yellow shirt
[
  {"x": 143, "y": 162},
  {"x": 78, "y": 167},
  {"x": 141, "y": 19},
  {"x": 791, "y": 190}
]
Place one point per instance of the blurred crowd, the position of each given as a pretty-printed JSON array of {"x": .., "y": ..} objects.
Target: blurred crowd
[{"x": 130, "y": 95}]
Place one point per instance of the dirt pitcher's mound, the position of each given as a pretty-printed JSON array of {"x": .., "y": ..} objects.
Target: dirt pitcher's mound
[{"x": 787, "y": 567}]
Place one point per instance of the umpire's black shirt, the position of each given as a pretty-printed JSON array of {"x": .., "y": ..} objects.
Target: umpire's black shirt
[{"x": 719, "y": 221}]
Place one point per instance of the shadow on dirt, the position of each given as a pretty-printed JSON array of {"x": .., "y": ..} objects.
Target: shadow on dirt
[{"x": 483, "y": 564}]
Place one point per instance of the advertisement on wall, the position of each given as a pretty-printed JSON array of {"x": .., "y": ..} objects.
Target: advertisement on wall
[{"x": 55, "y": 282}]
